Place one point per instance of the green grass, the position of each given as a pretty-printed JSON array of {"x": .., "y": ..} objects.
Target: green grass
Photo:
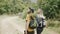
[{"x": 54, "y": 25}]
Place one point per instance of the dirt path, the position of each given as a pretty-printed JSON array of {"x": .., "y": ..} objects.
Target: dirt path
[
  {"x": 15, "y": 25},
  {"x": 10, "y": 26}
]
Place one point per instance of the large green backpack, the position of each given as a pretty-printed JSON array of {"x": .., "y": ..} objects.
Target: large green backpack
[{"x": 33, "y": 23}]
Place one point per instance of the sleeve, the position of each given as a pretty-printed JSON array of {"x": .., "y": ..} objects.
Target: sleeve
[{"x": 27, "y": 18}]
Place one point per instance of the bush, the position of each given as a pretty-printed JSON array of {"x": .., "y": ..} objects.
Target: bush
[
  {"x": 53, "y": 23},
  {"x": 51, "y": 8}
]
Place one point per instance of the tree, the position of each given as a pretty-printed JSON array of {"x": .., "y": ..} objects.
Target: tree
[{"x": 50, "y": 7}]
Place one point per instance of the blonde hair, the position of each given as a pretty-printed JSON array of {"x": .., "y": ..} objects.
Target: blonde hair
[{"x": 40, "y": 11}]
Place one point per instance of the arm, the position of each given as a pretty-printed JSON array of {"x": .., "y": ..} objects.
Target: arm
[
  {"x": 27, "y": 25},
  {"x": 27, "y": 22},
  {"x": 44, "y": 23}
]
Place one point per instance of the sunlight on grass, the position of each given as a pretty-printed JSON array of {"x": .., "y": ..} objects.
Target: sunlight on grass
[{"x": 54, "y": 25}]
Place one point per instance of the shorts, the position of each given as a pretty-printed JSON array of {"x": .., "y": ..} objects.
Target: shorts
[
  {"x": 32, "y": 32},
  {"x": 39, "y": 30}
]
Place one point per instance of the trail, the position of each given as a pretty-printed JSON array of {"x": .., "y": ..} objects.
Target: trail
[
  {"x": 15, "y": 25},
  {"x": 9, "y": 25}
]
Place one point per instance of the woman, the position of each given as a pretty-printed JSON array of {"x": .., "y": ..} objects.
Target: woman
[
  {"x": 28, "y": 19},
  {"x": 40, "y": 20}
]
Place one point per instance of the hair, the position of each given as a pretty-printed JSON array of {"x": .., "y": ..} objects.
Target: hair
[
  {"x": 32, "y": 10},
  {"x": 28, "y": 12},
  {"x": 41, "y": 11}
]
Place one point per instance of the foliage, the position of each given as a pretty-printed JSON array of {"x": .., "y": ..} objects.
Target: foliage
[
  {"x": 51, "y": 8},
  {"x": 11, "y": 6},
  {"x": 53, "y": 23}
]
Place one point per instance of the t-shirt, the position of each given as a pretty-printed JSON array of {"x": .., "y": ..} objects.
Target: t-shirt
[{"x": 28, "y": 18}]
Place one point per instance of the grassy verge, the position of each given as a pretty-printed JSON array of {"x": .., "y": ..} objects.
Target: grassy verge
[{"x": 54, "y": 25}]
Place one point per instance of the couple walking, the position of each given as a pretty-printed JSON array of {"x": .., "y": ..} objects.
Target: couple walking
[{"x": 39, "y": 25}]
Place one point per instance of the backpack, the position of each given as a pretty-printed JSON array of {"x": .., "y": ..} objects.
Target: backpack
[
  {"x": 41, "y": 22},
  {"x": 33, "y": 23}
]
